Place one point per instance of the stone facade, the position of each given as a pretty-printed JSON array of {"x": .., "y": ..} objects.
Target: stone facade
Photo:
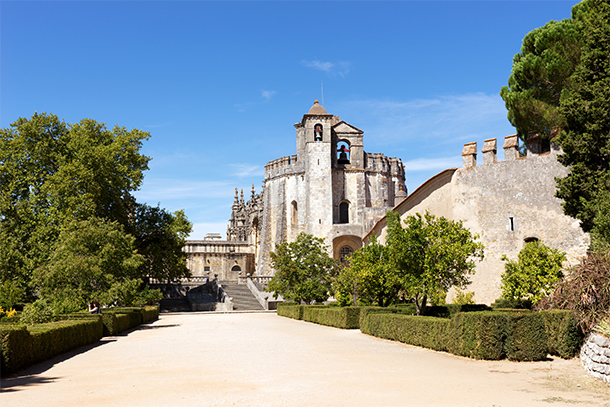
[
  {"x": 507, "y": 203},
  {"x": 331, "y": 188}
]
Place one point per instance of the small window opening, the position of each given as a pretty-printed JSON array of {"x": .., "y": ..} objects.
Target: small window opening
[
  {"x": 343, "y": 153},
  {"x": 236, "y": 268},
  {"x": 294, "y": 213},
  {"x": 344, "y": 254},
  {"x": 317, "y": 132},
  {"x": 510, "y": 225},
  {"x": 344, "y": 212},
  {"x": 530, "y": 239}
]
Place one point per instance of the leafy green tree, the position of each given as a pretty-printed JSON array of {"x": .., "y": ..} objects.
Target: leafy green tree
[
  {"x": 586, "y": 106},
  {"x": 303, "y": 270},
  {"x": 432, "y": 254},
  {"x": 369, "y": 278},
  {"x": 160, "y": 237},
  {"x": 541, "y": 71},
  {"x": 88, "y": 258},
  {"x": 52, "y": 173},
  {"x": 534, "y": 274}
]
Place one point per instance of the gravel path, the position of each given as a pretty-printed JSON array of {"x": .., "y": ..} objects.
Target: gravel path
[{"x": 266, "y": 360}]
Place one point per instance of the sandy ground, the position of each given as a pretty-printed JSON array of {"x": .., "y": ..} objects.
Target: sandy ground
[{"x": 266, "y": 360}]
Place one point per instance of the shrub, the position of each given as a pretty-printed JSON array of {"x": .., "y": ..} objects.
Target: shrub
[
  {"x": 585, "y": 292},
  {"x": 503, "y": 303},
  {"x": 463, "y": 298},
  {"x": 37, "y": 313},
  {"x": 290, "y": 310},
  {"x": 527, "y": 339},
  {"x": 564, "y": 336},
  {"x": 344, "y": 317},
  {"x": 11, "y": 293},
  {"x": 427, "y": 332},
  {"x": 479, "y": 335},
  {"x": 23, "y": 346},
  {"x": 534, "y": 274}
]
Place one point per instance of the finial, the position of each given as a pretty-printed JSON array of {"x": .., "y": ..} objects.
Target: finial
[
  {"x": 236, "y": 198},
  {"x": 242, "y": 196},
  {"x": 315, "y": 102},
  {"x": 253, "y": 191}
]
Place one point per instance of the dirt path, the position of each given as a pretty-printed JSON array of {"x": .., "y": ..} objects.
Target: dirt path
[{"x": 266, "y": 360}]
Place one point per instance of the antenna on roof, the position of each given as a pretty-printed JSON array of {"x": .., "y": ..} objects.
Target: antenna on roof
[{"x": 322, "y": 86}]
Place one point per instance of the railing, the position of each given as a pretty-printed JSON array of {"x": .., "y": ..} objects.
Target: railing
[{"x": 262, "y": 280}]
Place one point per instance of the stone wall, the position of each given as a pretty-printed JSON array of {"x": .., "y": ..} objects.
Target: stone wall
[
  {"x": 595, "y": 356},
  {"x": 506, "y": 203}
]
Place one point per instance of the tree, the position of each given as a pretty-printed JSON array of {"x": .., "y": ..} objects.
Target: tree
[
  {"x": 586, "y": 106},
  {"x": 368, "y": 277},
  {"x": 52, "y": 173},
  {"x": 432, "y": 254},
  {"x": 87, "y": 259},
  {"x": 160, "y": 237},
  {"x": 541, "y": 71},
  {"x": 534, "y": 274},
  {"x": 303, "y": 270}
]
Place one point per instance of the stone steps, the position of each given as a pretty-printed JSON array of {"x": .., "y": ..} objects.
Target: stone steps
[
  {"x": 243, "y": 299},
  {"x": 174, "y": 305}
]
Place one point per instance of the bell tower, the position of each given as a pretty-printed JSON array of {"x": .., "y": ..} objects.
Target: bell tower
[{"x": 315, "y": 150}]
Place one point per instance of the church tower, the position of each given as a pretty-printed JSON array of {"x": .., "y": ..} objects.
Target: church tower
[{"x": 331, "y": 188}]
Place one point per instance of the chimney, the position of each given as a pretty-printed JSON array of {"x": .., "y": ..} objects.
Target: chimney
[
  {"x": 511, "y": 148},
  {"x": 469, "y": 155},
  {"x": 490, "y": 150}
]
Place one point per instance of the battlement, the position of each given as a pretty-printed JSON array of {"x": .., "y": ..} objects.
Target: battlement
[
  {"x": 511, "y": 150},
  {"x": 380, "y": 163},
  {"x": 283, "y": 165}
]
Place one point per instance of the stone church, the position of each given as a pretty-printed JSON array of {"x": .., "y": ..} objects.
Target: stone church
[{"x": 331, "y": 188}]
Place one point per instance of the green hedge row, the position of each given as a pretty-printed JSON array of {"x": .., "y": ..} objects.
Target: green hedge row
[
  {"x": 23, "y": 346},
  {"x": 521, "y": 335}
]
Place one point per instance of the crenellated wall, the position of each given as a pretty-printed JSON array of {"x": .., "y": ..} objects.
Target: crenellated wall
[{"x": 505, "y": 202}]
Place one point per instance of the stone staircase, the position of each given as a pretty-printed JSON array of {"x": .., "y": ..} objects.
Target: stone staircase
[
  {"x": 174, "y": 305},
  {"x": 243, "y": 299}
]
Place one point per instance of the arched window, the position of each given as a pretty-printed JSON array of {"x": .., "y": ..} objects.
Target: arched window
[
  {"x": 236, "y": 268},
  {"x": 295, "y": 213},
  {"x": 530, "y": 239},
  {"x": 344, "y": 212},
  {"x": 344, "y": 253},
  {"x": 317, "y": 132},
  {"x": 343, "y": 152}
]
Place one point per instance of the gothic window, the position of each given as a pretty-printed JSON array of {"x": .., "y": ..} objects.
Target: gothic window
[
  {"x": 295, "y": 213},
  {"x": 344, "y": 212},
  {"x": 317, "y": 132},
  {"x": 343, "y": 153},
  {"x": 344, "y": 253}
]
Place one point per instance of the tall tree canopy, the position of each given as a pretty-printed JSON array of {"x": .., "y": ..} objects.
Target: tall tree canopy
[
  {"x": 586, "y": 107},
  {"x": 58, "y": 180},
  {"x": 541, "y": 71},
  {"x": 51, "y": 173}
]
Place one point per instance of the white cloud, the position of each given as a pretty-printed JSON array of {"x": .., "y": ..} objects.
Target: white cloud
[
  {"x": 340, "y": 68},
  {"x": 267, "y": 94}
]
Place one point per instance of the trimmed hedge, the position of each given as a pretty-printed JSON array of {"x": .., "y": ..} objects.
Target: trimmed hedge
[
  {"x": 564, "y": 336},
  {"x": 478, "y": 335},
  {"x": 339, "y": 317},
  {"x": 428, "y": 332},
  {"x": 527, "y": 338},
  {"x": 23, "y": 346},
  {"x": 290, "y": 310}
]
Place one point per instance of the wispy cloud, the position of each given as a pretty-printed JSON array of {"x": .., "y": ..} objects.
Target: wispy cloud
[
  {"x": 170, "y": 189},
  {"x": 267, "y": 94},
  {"x": 248, "y": 170},
  {"x": 340, "y": 68}
]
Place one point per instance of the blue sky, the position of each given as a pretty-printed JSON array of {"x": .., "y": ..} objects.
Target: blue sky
[{"x": 219, "y": 85}]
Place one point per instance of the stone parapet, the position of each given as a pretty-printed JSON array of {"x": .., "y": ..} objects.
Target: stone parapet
[
  {"x": 283, "y": 166},
  {"x": 511, "y": 147},
  {"x": 469, "y": 155},
  {"x": 595, "y": 356},
  {"x": 490, "y": 151}
]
